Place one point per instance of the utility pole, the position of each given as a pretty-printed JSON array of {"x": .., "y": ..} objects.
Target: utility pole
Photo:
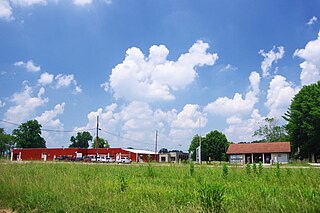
[
  {"x": 97, "y": 139},
  {"x": 155, "y": 149}
]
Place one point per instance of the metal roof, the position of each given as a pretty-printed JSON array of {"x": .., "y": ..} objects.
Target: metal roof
[{"x": 140, "y": 151}]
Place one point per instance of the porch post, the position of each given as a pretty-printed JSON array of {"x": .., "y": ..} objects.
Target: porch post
[
  {"x": 263, "y": 158},
  {"x": 251, "y": 157}
]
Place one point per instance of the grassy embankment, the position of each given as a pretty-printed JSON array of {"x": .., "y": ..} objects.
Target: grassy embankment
[{"x": 73, "y": 187}]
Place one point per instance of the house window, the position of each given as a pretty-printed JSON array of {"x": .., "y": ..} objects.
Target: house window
[
  {"x": 279, "y": 155},
  {"x": 163, "y": 159}
]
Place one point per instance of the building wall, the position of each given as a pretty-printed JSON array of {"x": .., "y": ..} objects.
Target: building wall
[
  {"x": 275, "y": 157},
  {"x": 280, "y": 157},
  {"x": 52, "y": 153},
  {"x": 237, "y": 158}
]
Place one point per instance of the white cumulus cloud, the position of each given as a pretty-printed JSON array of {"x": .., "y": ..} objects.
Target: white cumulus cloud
[
  {"x": 29, "y": 66},
  {"x": 45, "y": 79},
  {"x": 82, "y": 2},
  {"x": 63, "y": 80},
  {"x": 48, "y": 118},
  {"x": 311, "y": 66},
  {"x": 269, "y": 58},
  {"x": 225, "y": 106},
  {"x": 242, "y": 129},
  {"x": 280, "y": 94},
  {"x": 25, "y": 104},
  {"x": 154, "y": 78},
  {"x": 5, "y": 10},
  {"x": 313, "y": 20}
]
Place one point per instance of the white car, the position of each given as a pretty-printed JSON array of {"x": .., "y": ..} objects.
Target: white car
[{"x": 123, "y": 160}]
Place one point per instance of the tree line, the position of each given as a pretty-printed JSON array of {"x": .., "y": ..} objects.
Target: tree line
[{"x": 28, "y": 135}]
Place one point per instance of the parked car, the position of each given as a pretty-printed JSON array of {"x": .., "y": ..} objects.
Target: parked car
[
  {"x": 123, "y": 160},
  {"x": 110, "y": 160}
]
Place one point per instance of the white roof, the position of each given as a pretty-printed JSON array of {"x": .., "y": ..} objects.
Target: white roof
[{"x": 140, "y": 151}]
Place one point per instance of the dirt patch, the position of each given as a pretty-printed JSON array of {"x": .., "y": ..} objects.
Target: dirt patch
[{"x": 6, "y": 211}]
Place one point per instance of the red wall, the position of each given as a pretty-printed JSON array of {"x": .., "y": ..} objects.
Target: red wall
[{"x": 36, "y": 153}]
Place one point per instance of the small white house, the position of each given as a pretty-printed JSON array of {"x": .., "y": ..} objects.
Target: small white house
[{"x": 265, "y": 152}]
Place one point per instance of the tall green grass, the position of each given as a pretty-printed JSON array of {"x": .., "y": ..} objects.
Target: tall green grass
[{"x": 76, "y": 187}]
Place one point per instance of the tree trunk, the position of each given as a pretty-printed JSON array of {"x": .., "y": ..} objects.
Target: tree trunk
[{"x": 315, "y": 157}]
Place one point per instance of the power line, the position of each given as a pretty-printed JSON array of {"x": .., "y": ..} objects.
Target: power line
[{"x": 50, "y": 130}]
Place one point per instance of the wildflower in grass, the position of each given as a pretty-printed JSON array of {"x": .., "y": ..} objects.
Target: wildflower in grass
[
  {"x": 248, "y": 169},
  {"x": 225, "y": 170}
]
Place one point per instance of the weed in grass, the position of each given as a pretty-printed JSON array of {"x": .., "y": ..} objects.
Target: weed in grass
[
  {"x": 211, "y": 197},
  {"x": 289, "y": 173},
  {"x": 122, "y": 183},
  {"x": 225, "y": 170},
  {"x": 277, "y": 171},
  {"x": 254, "y": 168},
  {"x": 248, "y": 169},
  {"x": 191, "y": 169},
  {"x": 151, "y": 172},
  {"x": 260, "y": 167}
]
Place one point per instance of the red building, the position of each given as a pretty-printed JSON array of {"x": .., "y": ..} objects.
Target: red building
[{"x": 54, "y": 153}]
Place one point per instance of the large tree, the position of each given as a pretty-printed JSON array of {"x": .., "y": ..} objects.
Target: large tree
[
  {"x": 303, "y": 119},
  {"x": 102, "y": 143},
  {"x": 5, "y": 142},
  {"x": 271, "y": 132},
  {"x": 213, "y": 146},
  {"x": 81, "y": 140},
  {"x": 28, "y": 135}
]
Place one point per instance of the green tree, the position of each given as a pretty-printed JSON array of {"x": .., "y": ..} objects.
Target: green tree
[
  {"x": 81, "y": 140},
  {"x": 303, "y": 119},
  {"x": 28, "y": 135},
  {"x": 193, "y": 146},
  {"x": 214, "y": 145},
  {"x": 270, "y": 132},
  {"x": 101, "y": 144},
  {"x": 5, "y": 142}
]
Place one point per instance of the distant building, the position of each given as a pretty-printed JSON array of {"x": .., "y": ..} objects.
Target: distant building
[
  {"x": 173, "y": 156},
  {"x": 54, "y": 153},
  {"x": 266, "y": 152}
]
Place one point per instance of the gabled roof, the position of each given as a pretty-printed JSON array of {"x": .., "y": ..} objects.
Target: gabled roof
[{"x": 262, "y": 147}]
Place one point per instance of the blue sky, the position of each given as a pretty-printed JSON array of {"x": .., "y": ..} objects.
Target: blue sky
[{"x": 179, "y": 67}]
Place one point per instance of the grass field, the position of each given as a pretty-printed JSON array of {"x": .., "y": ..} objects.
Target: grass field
[{"x": 77, "y": 187}]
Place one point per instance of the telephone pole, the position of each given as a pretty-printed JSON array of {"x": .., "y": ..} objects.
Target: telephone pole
[
  {"x": 97, "y": 139},
  {"x": 155, "y": 149}
]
